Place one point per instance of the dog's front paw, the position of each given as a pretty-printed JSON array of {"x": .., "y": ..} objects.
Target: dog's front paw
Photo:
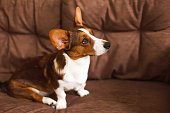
[
  {"x": 61, "y": 105},
  {"x": 83, "y": 93},
  {"x": 49, "y": 101}
]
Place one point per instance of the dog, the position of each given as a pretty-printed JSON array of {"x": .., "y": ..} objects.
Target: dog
[{"x": 65, "y": 70}]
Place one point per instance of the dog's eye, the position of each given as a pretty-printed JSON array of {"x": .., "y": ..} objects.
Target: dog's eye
[{"x": 85, "y": 41}]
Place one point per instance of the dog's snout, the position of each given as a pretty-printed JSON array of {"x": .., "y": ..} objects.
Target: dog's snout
[{"x": 106, "y": 45}]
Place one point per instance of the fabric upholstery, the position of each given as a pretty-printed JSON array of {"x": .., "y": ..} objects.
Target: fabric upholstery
[
  {"x": 138, "y": 31},
  {"x": 111, "y": 97},
  {"x": 24, "y": 27}
]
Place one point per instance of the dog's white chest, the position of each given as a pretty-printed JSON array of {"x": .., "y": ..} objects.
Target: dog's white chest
[{"x": 75, "y": 72}]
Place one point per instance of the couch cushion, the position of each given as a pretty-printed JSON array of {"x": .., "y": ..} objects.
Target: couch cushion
[
  {"x": 24, "y": 28},
  {"x": 138, "y": 31},
  {"x": 106, "y": 96}
]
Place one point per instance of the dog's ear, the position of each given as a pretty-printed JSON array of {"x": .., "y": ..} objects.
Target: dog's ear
[
  {"x": 59, "y": 38},
  {"x": 78, "y": 17}
]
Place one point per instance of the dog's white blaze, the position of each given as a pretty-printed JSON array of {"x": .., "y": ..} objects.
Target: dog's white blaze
[
  {"x": 98, "y": 43},
  {"x": 87, "y": 32}
]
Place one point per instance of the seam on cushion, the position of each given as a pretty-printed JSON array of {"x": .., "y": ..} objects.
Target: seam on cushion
[
  {"x": 61, "y": 12},
  {"x": 93, "y": 28},
  {"x": 141, "y": 19},
  {"x": 34, "y": 16},
  {"x": 8, "y": 55},
  {"x": 156, "y": 30}
]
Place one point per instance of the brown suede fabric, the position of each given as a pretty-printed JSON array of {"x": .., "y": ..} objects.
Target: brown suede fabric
[
  {"x": 24, "y": 27},
  {"x": 106, "y": 96},
  {"x": 137, "y": 29},
  {"x": 139, "y": 32}
]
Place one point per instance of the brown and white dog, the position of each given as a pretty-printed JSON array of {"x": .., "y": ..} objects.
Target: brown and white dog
[{"x": 67, "y": 69}]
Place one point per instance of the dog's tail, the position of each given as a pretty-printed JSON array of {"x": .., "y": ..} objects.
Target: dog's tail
[{"x": 3, "y": 86}]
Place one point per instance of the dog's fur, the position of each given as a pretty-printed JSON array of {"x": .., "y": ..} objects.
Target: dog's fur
[{"x": 58, "y": 72}]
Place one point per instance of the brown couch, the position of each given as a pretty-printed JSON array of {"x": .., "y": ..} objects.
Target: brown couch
[{"x": 133, "y": 77}]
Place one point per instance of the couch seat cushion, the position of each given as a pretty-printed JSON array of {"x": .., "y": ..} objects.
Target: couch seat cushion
[{"x": 106, "y": 96}]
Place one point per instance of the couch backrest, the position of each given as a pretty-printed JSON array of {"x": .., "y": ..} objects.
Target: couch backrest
[
  {"x": 24, "y": 27},
  {"x": 138, "y": 30}
]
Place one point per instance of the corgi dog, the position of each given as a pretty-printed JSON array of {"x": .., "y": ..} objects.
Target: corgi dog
[{"x": 65, "y": 70}]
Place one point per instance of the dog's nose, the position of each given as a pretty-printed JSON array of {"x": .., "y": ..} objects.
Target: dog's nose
[{"x": 107, "y": 45}]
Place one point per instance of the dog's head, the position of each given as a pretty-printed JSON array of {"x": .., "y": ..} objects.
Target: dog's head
[{"x": 79, "y": 41}]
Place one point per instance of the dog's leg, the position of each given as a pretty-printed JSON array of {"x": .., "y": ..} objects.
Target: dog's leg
[
  {"x": 61, "y": 95},
  {"x": 81, "y": 91},
  {"x": 20, "y": 90}
]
